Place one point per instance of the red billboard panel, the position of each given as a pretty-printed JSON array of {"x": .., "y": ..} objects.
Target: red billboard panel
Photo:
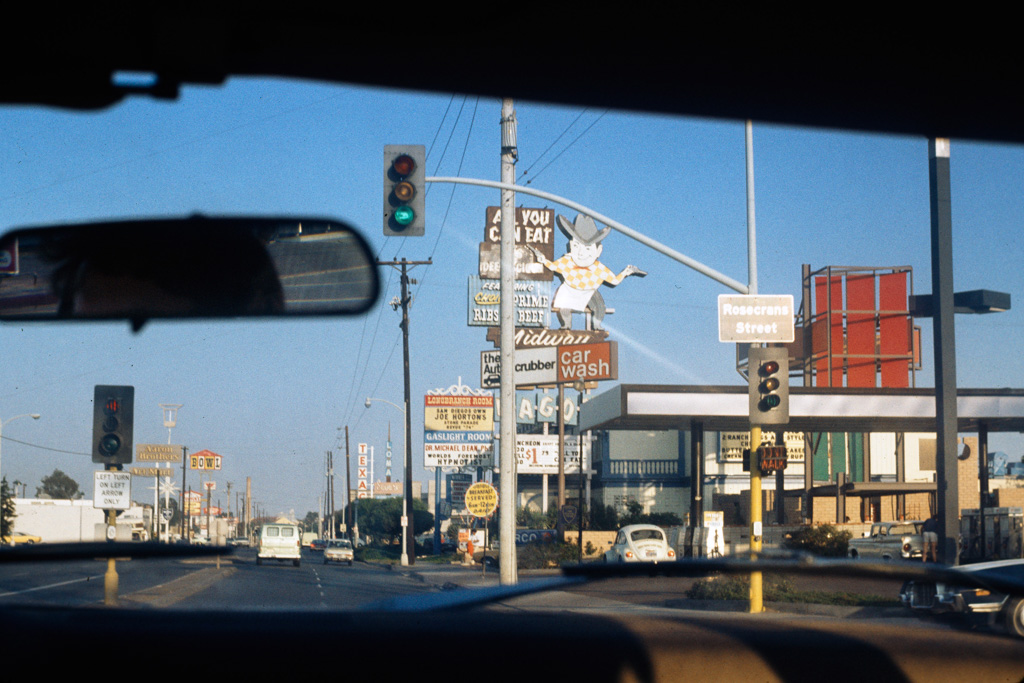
[{"x": 860, "y": 330}]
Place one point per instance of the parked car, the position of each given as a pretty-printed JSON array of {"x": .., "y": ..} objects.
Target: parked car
[
  {"x": 944, "y": 598},
  {"x": 20, "y": 538},
  {"x": 279, "y": 542},
  {"x": 640, "y": 543},
  {"x": 889, "y": 541},
  {"x": 339, "y": 550},
  {"x": 240, "y": 541}
]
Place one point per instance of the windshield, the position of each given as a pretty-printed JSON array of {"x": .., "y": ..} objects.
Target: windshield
[{"x": 296, "y": 425}]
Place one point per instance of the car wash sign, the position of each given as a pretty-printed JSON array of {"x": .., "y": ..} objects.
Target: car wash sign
[
  {"x": 458, "y": 430},
  {"x": 588, "y": 362}
]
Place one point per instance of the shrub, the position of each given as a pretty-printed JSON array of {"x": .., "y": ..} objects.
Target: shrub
[
  {"x": 546, "y": 555},
  {"x": 824, "y": 540}
]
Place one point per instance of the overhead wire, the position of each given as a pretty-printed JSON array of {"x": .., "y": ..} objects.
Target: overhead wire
[
  {"x": 567, "y": 147},
  {"x": 553, "y": 143}
]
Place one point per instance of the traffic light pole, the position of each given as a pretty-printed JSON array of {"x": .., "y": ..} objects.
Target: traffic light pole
[
  {"x": 756, "y": 594},
  {"x": 511, "y": 188}
]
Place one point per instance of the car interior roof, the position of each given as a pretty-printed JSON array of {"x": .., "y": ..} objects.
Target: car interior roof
[{"x": 915, "y": 78}]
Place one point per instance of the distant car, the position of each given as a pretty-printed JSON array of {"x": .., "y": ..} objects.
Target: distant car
[
  {"x": 640, "y": 543},
  {"x": 279, "y": 542},
  {"x": 339, "y": 550},
  {"x": 890, "y": 541},
  {"x": 318, "y": 544},
  {"x": 1002, "y": 610},
  {"x": 239, "y": 541},
  {"x": 20, "y": 538}
]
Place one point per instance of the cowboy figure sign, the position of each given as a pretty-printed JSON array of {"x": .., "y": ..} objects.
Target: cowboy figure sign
[{"x": 581, "y": 272}]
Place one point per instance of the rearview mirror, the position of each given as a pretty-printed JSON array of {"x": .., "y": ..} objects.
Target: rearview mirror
[{"x": 195, "y": 267}]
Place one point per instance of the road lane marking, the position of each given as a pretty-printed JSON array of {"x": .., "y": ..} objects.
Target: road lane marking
[{"x": 49, "y": 586}]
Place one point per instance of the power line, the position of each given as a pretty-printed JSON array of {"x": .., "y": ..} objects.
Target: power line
[{"x": 45, "y": 448}]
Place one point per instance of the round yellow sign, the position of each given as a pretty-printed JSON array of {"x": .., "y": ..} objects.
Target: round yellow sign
[{"x": 481, "y": 499}]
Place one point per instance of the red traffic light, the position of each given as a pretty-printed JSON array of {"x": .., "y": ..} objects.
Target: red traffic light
[
  {"x": 404, "y": 165},
  {"x": 770, "y": 367}
]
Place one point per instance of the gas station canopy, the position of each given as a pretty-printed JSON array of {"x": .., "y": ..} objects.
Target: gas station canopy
[{"x": 811, "y": 409}]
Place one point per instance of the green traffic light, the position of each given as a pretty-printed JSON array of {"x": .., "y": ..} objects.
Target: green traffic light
[
  {"x": 771, "y": 401},
  {"x": 404, "y": 215}
]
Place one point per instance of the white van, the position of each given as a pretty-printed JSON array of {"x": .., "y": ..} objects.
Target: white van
[{"x": 279, "y": 542}]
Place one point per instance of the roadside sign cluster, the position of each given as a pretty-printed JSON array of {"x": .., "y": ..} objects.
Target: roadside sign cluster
[{"x": 458, "y": 430}]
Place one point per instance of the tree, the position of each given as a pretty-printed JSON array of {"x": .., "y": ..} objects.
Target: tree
[
  {"x": 311, "y": 522},
  {"x": 7, "y": 513},
  {"x": 381, "y": 518},
  {"x": 59, "y": 486}
]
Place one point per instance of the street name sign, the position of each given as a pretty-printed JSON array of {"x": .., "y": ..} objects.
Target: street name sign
[{"x": 756, "y": 318}]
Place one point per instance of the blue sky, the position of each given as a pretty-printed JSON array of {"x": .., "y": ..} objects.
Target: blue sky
[{"x": 271, "y": 396}]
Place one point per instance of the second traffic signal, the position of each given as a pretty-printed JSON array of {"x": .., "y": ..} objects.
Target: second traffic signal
[
  {"x": 113, "y": 417},
  {"x": 404, "y": 181},
  {"x": 769, "y": 386}
]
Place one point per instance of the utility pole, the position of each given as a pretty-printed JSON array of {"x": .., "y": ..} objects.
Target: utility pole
[
  {"x": 408, "y": 541},
  {"x": 330, "y": 494},
  {"x": 349, "y": 527}
]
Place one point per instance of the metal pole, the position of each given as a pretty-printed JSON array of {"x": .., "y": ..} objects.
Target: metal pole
[
  {"x": 610, "y": 222},
  {"x": 508, "y": 573},
  {"x": 983, "y": 478},
  {"x": 559, "y": 523},
  {"x": 756, "y": 594},
  {"x": 437, "y": 510},
  {"x": 348, "y": 493},
  {"x": 945, "y": 349}
]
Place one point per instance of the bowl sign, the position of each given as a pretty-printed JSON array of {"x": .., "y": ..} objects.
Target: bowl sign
[{"x": 481, "y": 499}]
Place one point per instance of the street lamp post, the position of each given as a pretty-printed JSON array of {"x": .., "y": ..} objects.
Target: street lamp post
[
  {"x": 34, "y": 416},
  {"x": 408, "y": 475}
]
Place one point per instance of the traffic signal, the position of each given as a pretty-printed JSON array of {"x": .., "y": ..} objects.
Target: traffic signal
[
  {"x": 769, "y": 386},
  {"x": 112, "y": 424},
  {"x": 404, "y": 181}
]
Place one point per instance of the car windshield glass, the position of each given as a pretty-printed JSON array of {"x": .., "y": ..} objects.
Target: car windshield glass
[{"x": 303, "y": 424}]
